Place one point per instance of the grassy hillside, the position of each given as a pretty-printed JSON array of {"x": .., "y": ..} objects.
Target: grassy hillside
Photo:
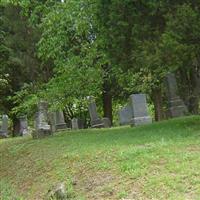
[{"x": 159, "y": 161}]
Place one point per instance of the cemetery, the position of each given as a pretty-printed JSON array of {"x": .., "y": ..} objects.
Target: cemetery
[{"x": 100, "y": 100}]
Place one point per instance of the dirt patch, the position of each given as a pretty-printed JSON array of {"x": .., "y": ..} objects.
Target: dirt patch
[
  {"x": 193, "y": 148},
  {"x": 97, "y": 185},
  {"x": 107, "y": 185}
]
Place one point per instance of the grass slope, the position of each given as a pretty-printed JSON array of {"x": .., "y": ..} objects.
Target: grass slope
[{"x": 159, "y": 161}]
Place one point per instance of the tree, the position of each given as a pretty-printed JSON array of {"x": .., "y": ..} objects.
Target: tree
[
  {"x": 112, "y": 48},
  {"x": 19, "y": 64},
  {"x": 183, "y": 37}
]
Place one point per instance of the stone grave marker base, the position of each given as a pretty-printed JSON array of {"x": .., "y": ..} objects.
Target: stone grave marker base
[
  {"x": 141, "y": 120},
  {"x": 42, "y": 132}
]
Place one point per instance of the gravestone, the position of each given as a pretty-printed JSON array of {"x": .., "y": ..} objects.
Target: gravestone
[
  {"x": 139, "y": 110},
  {"x": 125, "y": 115},
  {"x": 41, "y": 124},
  {"x": 106, "y": 121},
  {"x": 60, "y": 121},
  {"x": 96, "y": 121},
  {"x": 4, "y": 126},
  {"x": 23, "y": 125},
  {"x": 52, "y": 121},
  {"x": 176, "y": 105},
  {"x": 77, "y": 124}
]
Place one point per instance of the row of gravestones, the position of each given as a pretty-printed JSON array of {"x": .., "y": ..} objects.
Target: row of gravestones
[
  {"x": 42, "y": 119},
  {"x": 4, "y": 126},
  {"x": 134, "y": 113},
  {"x": 23, "y": 123},
  {"x": 47, "y": 123}
]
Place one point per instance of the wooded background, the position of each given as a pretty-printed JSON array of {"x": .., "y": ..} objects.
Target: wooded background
[{"x": 64, "y": 51}]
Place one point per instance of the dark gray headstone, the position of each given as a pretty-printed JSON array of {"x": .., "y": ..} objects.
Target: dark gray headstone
[
  {"x": 96, "y": 121},
  {"x": 176, "y": 105},
  {"x": 93, "y": 109},
  {"x": 125, "y": 115},
  {"x": 106, "y": 121},
  {"x": 41, "y": 123},
  {"x": 23, "y": 125},
  {"x": 4, "y": 126},
  {"x": 52, "y": 121},
  {"x": 139, "y": 110},
  {"x": 60, "y": 121}
]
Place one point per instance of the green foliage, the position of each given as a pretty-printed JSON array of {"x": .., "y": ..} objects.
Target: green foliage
[
  {"x": 83, "y": 45},
  {"x": 67, "y": 41},
  {"x": 182, "y": 35},
  {"x": 19, "y": 65},
  {"x": 26, "y": 99}
]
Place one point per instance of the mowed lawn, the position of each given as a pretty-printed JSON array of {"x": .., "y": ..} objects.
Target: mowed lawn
[{"x": 158, "y": 161}]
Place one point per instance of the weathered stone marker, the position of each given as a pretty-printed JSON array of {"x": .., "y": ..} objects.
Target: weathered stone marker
[
  {"x": 139, "y": 110},
  {"x": 177, "y": 107},
  {"x": 77, "y": 124},
  {"x": 4, "y": 126},
  {"x": 125, "y": 115},
  {"x": 52, "y": 121},
  {"x": 60, "y": 121},
  {"x": 106, "y": 121},
  {"x": 96, "y": 121},
  {"x": 41, "y": 124},
  {"x": 23, "y": 125}
]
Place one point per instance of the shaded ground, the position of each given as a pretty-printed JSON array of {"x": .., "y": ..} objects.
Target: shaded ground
[{"x": 159, "y": 161}]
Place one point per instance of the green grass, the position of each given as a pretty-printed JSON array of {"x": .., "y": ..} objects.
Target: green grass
[{"x": 159, "y": 161}]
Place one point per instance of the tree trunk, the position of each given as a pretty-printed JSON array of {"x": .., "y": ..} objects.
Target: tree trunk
[
  {"x": 107, "y": 100},
  {"x": 184, "y": 87},
  {"x": 16, "y": 127},
  {"x": 158, "y": 102},
  {"x": 194, "y": 97}
]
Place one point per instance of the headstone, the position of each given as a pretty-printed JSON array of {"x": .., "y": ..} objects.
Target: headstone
[
  {"x": 106, "y": 121},
  {"x": 176, "y": 105},
  {"x": 52, "y": 119},
  {"x": 96, "y": 122},
  {"x": 125, "y": 115},
  {"x": 139, "y": 110},
  {"x": 41, "y": 124},
  {"x": 77, "y": 124},
  {"x": 60, "y": 121},
  {"x": 23, "y": 125},
  {"x": 4, "y": 126}
]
